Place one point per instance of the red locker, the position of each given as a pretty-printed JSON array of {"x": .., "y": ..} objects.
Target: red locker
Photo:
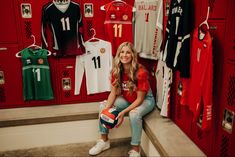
[
  {"x": 93, "y": 20},
  {"x": 30, "y": 23},
  {"x": 205, "y": 140},
  {"x": 218, "y": 21},
  {"x": 181, "y": 114},
  {"x": 218, "y": 8},
  {"x": 11, "y": 81},
  {"x": 9, "y": 26},
  {"x": 66, "y": 82},
  {"x": 10, "y": 74},
  {"x": 225, "y": 141}
]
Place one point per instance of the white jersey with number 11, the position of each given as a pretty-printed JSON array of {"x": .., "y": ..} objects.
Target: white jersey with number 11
[{"x": 97, "y": 63}]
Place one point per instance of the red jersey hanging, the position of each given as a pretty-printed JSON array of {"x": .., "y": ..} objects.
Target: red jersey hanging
[
  {"x": 201, "y": 81},
  {"x": 118, "y": 23}
]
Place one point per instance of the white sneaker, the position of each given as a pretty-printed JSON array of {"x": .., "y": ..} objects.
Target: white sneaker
[
  {"x": 99, "y": 147},
  {"x": 133, "y": 153}
]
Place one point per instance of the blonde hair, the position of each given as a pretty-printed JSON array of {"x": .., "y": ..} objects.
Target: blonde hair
[{"x": 118, "y": 70}]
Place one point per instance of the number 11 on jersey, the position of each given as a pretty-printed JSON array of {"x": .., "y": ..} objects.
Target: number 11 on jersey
[{"x": 117, "y": 30}]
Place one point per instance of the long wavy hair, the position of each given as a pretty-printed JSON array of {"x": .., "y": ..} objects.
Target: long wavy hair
[{"x": 118, "y": 70}]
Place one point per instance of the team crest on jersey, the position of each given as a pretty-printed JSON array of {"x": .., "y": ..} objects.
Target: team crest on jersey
[
  {"x": 112, "y": 16},
  {"x": 102, "y": 50},
  {"x": 40, "y": 61},
  {"x": 124, "y": 17}
]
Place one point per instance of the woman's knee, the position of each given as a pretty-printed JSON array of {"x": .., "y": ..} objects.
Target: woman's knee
[
  {"x": 134, "y": 114},
  {"x": 120, "y": 103}
]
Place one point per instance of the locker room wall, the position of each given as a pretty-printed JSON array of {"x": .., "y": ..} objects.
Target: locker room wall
[
  {"x": 225, "y": 141},
  {"x": 221, "y": 19},
  {"x": 10, "y": 43},
  {"x": 16, "y": 34}
]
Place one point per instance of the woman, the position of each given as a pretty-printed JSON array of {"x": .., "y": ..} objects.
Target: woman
[{"x": 131, "y": 94}]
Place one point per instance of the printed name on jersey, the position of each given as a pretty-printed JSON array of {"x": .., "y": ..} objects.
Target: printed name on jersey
[{"x": 148, "y": 7}]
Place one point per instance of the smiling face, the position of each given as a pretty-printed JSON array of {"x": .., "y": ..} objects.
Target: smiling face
[{"x": 126, "y": 55}]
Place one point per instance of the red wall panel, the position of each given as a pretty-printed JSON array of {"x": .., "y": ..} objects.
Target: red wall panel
[
  {"x": 12, "y": 86},
  {"x": 8, "y": 33},
  {"x": 67, "y": 74}
]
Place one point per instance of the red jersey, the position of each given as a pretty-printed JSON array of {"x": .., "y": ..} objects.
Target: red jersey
[
  {"x": 118, "y": 23},
  {"x": 142, "y": 84},
  {"x": 201, "y": 81}
]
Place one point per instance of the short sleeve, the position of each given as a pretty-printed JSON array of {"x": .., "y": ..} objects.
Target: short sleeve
[{"x": 142, "y": 80}]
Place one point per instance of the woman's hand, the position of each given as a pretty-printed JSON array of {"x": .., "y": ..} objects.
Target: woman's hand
[{"x": 120, "y": 118}]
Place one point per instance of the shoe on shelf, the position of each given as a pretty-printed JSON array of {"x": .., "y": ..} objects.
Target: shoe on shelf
[
  {"x": 99, "y": 147},
  {"x": 133, "y": 153}
]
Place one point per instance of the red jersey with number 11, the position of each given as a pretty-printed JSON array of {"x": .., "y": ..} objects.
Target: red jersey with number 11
[{"x": 118, "y": 23}]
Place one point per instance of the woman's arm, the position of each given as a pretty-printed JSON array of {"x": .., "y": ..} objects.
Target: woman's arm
[{"x": 111, "y": 97}]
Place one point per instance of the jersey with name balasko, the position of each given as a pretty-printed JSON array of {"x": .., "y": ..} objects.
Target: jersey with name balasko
[{"x": 141, "y": 85}]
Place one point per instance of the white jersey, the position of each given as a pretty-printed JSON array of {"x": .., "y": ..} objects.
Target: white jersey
[
  {"x": 164, "y": 81},
  {"x": 148, "y": 28},
  {"x": 97, "y": 63}
]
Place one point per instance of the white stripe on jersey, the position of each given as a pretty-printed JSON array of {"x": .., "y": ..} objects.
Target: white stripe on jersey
[
  {"x": 164, "y": 81},
  {"x": 117, "y": 21},
  {"x": 56, "y": 47},
  {"x": 168, "y": 77},
  {"x": 97, "y": 64}
]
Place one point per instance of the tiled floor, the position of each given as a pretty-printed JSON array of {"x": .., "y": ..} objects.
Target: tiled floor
[{"x": 118, "y": 148}]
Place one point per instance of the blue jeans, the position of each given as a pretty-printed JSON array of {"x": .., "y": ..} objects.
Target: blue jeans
[{"x": 135, "y": 115}]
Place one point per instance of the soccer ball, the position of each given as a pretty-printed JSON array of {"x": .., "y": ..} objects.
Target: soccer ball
[{"x": 108, "y": 117}]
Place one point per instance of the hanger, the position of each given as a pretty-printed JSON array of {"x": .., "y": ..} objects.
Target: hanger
[
  {"x": 93, "y": 38},
  {"x": 102, "y": 7},
  {"x": 18, "y": 54},
  {"x": 204, "y": 26}
]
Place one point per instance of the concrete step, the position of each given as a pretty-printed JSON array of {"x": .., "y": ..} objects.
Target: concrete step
[
  {"x": 118, "y": 147},
  {"x": 168, "y": 138},
  {"x": 48, "y": 114}
]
